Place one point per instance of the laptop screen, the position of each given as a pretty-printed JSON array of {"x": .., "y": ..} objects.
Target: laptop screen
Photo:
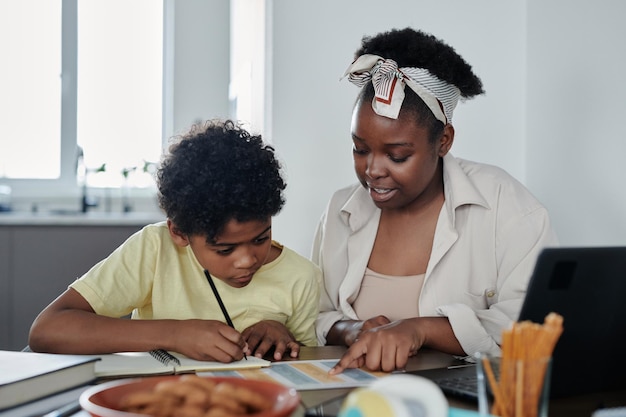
[{"x": 587, "y": 286}]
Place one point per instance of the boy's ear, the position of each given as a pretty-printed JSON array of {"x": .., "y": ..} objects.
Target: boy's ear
[{"x": 178, "y": 238}]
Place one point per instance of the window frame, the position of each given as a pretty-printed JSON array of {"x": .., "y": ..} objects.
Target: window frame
[{"x": 66, "y": 186}]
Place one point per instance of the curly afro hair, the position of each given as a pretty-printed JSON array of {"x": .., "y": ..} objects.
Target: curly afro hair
[
  {"x": 414, "y": 48},
  {"x": 215, "y": 173}
]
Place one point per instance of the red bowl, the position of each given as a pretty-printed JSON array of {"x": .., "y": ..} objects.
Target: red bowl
[{"x": 103, "y": 400}]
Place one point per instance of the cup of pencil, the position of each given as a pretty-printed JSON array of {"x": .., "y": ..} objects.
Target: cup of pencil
[{"x": 517, "y": 384}]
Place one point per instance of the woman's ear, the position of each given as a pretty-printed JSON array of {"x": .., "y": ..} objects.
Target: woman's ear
[
  {"x": 446, "y": 140},
  {"x": 178, "y": 238}
]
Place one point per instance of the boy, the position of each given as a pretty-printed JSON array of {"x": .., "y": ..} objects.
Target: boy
[{"x": 219, "y": 187}]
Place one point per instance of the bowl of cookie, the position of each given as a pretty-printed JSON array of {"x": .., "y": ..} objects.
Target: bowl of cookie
[{"x": 189, "y": 395}]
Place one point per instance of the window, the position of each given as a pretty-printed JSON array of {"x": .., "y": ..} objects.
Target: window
[
  {"x": 30, "y": 103},
  {"x": 250, "y": 87},
  {"x": 86, "y": 76},
  {"x": 120, "y": 77}
]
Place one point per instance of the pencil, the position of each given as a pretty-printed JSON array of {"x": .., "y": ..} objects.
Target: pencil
[{"x": 219, "y": 301}]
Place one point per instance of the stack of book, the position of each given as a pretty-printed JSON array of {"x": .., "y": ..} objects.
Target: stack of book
[{"x": 28, "y": 376}]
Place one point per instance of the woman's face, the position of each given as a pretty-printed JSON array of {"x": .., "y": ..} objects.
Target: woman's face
[{"x": 394, "y": 159}]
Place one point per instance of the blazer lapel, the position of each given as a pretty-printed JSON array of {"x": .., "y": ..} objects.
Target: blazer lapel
[{"x": 362, "y": 217}]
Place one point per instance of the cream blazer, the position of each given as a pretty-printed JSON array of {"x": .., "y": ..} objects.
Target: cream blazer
[{"x": 488, "y": 236}]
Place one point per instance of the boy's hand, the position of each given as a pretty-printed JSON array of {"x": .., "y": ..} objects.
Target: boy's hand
[
  {"x": 264, "y": 335},
  {"x": 208, "y": 340}
]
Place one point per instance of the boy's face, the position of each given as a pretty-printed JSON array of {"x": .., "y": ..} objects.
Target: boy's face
[{"x": 237, "y": 253}]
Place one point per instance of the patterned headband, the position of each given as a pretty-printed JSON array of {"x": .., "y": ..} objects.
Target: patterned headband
[{"x": 440, "y": 97}]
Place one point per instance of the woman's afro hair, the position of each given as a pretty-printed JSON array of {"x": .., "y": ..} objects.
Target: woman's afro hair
[
  {"x": 215, "y": 173},
  {"x": 413, "y": 48}
]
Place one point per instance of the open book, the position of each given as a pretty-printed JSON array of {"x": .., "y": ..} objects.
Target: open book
[
  {"x": 160, "y": 362},
  {"x": 305, "y": 375}
]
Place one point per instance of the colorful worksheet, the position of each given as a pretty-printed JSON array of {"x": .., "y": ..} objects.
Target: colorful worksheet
[{"x": 305, "y": 375}]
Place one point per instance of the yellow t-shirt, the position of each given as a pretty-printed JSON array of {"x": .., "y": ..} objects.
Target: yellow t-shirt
[{"x": 153, "y": 278}]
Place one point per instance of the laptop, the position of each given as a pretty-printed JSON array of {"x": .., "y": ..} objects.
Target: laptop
[{"x": 587, "y": 286}]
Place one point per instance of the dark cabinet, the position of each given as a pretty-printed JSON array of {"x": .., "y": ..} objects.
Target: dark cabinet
[{"x": 38, "y": 262}]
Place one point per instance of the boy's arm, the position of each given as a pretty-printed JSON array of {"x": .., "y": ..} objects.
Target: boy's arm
[{"x": 70, "y": 325}]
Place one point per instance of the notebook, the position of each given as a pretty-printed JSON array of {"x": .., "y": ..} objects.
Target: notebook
[
  {"x": 159, "y": 362},
  {"x": 587, "y": 286}
]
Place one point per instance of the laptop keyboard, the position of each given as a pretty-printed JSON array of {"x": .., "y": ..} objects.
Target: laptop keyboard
[
  {"x": 459, "y": 382},
  {"x": 465, "y": 387}
]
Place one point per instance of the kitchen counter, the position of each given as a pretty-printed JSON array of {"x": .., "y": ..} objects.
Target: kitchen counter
[{"x": 74, "y": 218}]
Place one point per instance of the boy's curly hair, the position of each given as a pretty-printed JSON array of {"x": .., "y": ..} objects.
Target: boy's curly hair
[
  {"x": 414, "y": 48},
  {"x": 215, "y": 173}
]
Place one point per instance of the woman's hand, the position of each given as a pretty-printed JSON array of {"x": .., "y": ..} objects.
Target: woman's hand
[
  {"x": 377, "y": 321},
  {"x": 354, "y": 333},
  {"x": 264, "y": 335},
  {"x": 346, "y": 332},
  {"x": 385, "y": 347},
  {"x": 388, "y": 347}
]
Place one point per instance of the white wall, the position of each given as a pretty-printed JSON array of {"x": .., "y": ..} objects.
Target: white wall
[
  {"x": 576, "y": 105},
  {"x": 314, "y": 42},
  {"x": 201, "y": 62},
  {"x": 551, "y": 115}
]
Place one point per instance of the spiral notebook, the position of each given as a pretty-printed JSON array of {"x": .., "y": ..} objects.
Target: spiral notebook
[{"x": 160, "y": 362}]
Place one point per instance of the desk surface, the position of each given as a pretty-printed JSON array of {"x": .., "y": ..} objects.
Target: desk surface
[
  {"x": 425, "y": 359},
  {"x": 580, "y": 406}
]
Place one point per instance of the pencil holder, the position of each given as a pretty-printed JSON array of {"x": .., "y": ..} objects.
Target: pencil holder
[{"x": 514, "y": 387}]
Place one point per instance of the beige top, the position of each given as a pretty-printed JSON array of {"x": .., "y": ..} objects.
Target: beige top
[
  {"x": 477, "y": 279},
  {"x": 396, "y": 297},
  {"x": 155, "y": 279}
]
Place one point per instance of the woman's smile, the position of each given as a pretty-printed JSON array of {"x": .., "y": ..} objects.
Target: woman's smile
[{"x": 380, "y": 194}]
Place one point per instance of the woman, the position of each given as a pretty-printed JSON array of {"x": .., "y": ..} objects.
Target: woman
[{"x": 427, "y": 249}]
